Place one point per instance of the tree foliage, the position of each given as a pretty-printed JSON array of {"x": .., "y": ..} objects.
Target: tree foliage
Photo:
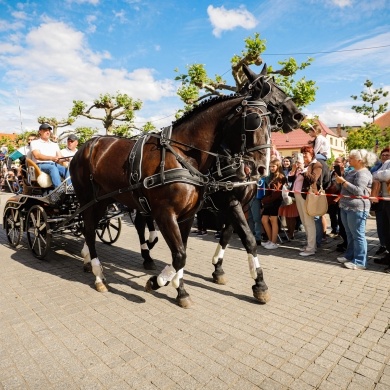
[
  {"x": 55, "y": 123},
  {"x": 116, "y": 108},
  {"x": 83, "y": 134},
  {"x": 372, "y": 107},
  {"x": 367, "y": 136},
  {"x": 197, "y": 85}
]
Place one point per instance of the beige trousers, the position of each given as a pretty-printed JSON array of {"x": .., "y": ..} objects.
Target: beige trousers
[{"x": 308, "y": 223}]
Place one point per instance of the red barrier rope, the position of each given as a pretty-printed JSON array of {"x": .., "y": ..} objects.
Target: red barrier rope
[{"x": 336, "y": 195}]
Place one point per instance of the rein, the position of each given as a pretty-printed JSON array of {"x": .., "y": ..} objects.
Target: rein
[{"x": 189, "y": 173}]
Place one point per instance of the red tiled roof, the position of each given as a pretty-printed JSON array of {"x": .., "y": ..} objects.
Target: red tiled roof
[
  {"x": 8, "y": 135},
  {"x": 297, "y": 138},
  {"x": 383, "y": 121}
]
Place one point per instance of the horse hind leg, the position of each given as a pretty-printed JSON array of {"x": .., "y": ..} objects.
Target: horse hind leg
[
  {"x": 87, "y": 266},
  {"x": 91, "y": 218}
]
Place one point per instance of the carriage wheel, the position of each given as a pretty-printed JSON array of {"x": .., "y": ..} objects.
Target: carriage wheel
[
  {"x": 13, "y": 226},
  {"x": 38, "y": 234},
  {"x": 109, "y": 229}
]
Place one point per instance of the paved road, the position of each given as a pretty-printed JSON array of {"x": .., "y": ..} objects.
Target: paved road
[{"x": 326, "y": 327}]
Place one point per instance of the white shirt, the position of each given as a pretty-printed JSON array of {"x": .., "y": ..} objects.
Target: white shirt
[
  {"x": 67, "y": 152},
  {"x": 322, "y": 145},
  {"x": 47, "y": 148}
]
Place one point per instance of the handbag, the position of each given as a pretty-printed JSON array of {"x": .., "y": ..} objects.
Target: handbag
[
  {"x": 316, "y": 203},
  {"x": 287, "y": 199},
  {"x": 333, "y": 189}
]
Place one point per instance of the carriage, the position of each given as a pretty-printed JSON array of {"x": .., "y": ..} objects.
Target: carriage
[{"x": 44, "y": 216}]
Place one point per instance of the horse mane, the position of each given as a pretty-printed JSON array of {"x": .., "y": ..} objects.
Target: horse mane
[{"x": 205, "y": 104}]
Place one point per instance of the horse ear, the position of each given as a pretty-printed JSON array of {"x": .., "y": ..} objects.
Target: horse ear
[
  {"x": 248, "y": 72},
  {"x": 264, "y": 70}
]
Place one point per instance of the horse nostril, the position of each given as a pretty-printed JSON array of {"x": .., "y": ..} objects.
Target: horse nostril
[{"x": 299, "y": 117}]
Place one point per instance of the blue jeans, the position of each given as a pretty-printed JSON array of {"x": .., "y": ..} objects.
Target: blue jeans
[
  {"x": 319, "y": 231},
  {"x": 254, "y": 218},
  {"x": 355, "y": 227},
  {"x": 379, "y": 215},
  {"x": 56, "y": 171}
]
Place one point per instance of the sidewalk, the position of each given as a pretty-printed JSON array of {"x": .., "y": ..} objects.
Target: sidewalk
[{"x": 326, "y": 327}]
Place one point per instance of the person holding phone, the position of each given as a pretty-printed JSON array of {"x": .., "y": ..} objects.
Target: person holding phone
[
  {"x": 355, "y": 207},
  {"x": 334, "y": 209}
]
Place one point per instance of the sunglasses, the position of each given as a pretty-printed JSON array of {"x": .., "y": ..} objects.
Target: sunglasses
[{"x": 71, "y": 140}]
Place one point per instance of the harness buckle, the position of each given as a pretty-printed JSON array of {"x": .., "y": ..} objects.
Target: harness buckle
[{"x": 229, "y": 186}]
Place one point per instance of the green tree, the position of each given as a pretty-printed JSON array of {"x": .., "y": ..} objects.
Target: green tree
[
  {"x": 83, "y": 134},
  {"x": 117, "y": 108},
  {"x": 197, "y": 85},
  {"x": 371, "y": 98},
  {"x": 55, "y": 123},
  {"x": 367, "y": 136}
]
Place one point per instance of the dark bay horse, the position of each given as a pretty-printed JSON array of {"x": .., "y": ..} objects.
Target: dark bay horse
[
  {"x": 284, "y": 115},
  {"x": 167, "y": 175}
]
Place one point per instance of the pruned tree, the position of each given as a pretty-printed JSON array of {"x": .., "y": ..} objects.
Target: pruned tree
[
  {"x": 83, "y": 134},
  {"x": 371, "y": 97},
  {"x": 197, "y": 85},
  {"x": 117, "y": 108},
  {"x": 55, "y": 123}
]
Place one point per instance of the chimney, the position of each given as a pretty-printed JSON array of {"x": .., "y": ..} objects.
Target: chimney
[{"x": 338, "y": 130}]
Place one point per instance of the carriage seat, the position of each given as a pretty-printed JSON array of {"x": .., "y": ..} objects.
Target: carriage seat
[{"x": 35, "y": 175}]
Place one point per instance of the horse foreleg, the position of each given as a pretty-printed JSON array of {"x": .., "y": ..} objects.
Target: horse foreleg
[
  {"x": 140, "y": 224},
  {"x": 173, "y": 273},
  {"x": 260, "y": 289},
  {"x": 219, "y": 274}
]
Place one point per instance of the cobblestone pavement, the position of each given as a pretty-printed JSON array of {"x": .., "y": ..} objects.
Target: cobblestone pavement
[{"x": 326, "y": 327}]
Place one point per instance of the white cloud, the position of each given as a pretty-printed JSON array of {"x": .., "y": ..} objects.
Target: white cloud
[
  {"x": 222, "y": 19},
  {"x": 93, "y": 2},
  {"x": 55, "y": 67},
  {"x": 342, "y": 3},
  {"x": 120, "y": 15}
]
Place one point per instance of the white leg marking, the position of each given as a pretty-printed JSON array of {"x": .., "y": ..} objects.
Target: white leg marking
[
  {"x": 152, "y": 235},
  {"x": 97, "y": 270},
  {"x": 166, "y": 275},
  {"x": 144, "y": 246},
  {"x": 253, "y": 265},
  {"x": 219, "y": 252},
  {"x": 177, "y": 277},
  {"x": 85, "y": 254}
]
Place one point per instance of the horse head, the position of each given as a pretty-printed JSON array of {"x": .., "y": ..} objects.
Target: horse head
[
  {"x": 285, "y": 114},
  {"x": 247, "y": 137}
]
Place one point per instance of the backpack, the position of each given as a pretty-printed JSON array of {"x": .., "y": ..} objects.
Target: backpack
[{"x": 325, "y": 175}]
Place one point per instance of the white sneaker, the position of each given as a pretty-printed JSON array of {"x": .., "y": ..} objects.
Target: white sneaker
[
  {"x": 351, "y": 265},
  {"x": 266, "y": 243},
  {"x": 342, "y": 259},
  {"x": 271, "y": 245},
  {"x": 307, "y": 253}
]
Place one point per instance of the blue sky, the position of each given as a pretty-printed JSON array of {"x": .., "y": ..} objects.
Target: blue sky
[{"x": 53, "y": 52}]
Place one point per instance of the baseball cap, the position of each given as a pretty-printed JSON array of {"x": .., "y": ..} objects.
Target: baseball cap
[
  {"x": 45, "y": 126},
  {"x": 73, "y": 137}
]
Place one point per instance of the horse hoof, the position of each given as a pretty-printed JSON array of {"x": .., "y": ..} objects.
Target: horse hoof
[
  {"x": 219, "y": 279},
  {"x": 262, "y": 296},
  {"x": 149, "y": 265},
  {"x": 151, "y": 244},
  {"x": 148, "y": 286},
  {"x": 101, "y": 287},
  {"x": 87, "y": 267},
  {"x": 185, "y": 303}
]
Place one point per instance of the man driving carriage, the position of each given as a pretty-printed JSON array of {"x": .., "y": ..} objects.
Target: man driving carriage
[{"x": 46, "y": 154}]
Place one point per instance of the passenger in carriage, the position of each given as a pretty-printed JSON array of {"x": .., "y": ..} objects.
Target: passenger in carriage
[
  {"x": 70, "y": 150},
  {"x": 46, "y": 155}
]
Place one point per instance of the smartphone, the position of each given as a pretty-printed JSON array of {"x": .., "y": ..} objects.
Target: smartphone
[
  {"x": 337, "y": 169},
  {"x": 299, "y": 157}
]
